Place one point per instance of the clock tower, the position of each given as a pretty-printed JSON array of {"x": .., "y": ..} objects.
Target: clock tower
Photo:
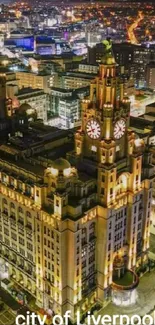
[
  {"x": 105, "y": 116},
  {"x": 106, "y": 148}
]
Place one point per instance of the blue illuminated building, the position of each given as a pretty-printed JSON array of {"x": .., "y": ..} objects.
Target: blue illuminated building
[{"x": 26, "y": 43}]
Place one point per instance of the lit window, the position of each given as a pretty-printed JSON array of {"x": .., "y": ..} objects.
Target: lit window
[{"x": 94, "y": 148}]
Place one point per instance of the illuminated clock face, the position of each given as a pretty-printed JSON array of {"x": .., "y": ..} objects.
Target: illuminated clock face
[
  {"x": 119, "y": 129},
  {"x": 93, "y": 129}
]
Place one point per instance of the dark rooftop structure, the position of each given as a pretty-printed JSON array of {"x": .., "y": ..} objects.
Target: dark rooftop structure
[
  {"x": 36, "y": 147},
  {"x": 28, "y": 90}
]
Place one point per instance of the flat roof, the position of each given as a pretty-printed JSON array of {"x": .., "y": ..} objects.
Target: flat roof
[
  {"x": 36, "y": 169},
  {"x": 149, "y": 114},
  {"x": 79, "y": 74},
  {"x": 62, "y": 90},
  {"x": 40, "y": 73},
  {"x": 90, "y": 64},
  {"x": 139, "y": 122},
  {"x": 57, "y": 152},
  {"x": 28, "y": 90},
  {"x": 151, "y": 105}
]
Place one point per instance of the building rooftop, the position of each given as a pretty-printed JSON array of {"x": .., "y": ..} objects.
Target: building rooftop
[
  {"x": 11, "y": 157},
  {"x": 150, "y": 114},
  {"x": 151, "y": 105},
  {"x": 89, "y": 64},
  {"x": 28, "y": 90},
  {"x": 139, "y": 122},
  {"x": 35, "y": 151},
  {"x": 40, "y": 73},
  {"x": 37, "y": 135},
  {"x": 58, "y": 152},
  {"x": 62, "y": 90},
  {"x": 5, "y": 70},
  {"x": 70, "y": 98},
  {"x": 79, "y": 74}
]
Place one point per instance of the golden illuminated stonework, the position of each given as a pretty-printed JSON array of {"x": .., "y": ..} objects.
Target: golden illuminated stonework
[{"x": 72, "y": 229}]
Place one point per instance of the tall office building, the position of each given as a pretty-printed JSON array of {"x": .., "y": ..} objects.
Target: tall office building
[
  {"x": 36, "y": 81},
  {"x": 69, "y": 231},
  {"x": 150, "y": 75}
]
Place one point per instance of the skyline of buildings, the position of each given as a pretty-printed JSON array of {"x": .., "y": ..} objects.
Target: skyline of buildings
[{"x": 77, "y": 156}]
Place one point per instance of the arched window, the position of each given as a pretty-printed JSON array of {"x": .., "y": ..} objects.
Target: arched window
[
  {"x": 5, "y": 201},
  {"x": 20, "y": 210},
  {"x": 92, "y": 225},
  {"x": 28, "y": 214},
  {"x": 12, "y": 206}
]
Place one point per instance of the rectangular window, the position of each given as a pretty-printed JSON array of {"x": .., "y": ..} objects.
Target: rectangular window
[{"x": 102, "y": 191}]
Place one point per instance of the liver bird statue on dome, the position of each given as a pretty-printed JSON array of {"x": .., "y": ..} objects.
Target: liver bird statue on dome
[{"x": 108, "y": 57}]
